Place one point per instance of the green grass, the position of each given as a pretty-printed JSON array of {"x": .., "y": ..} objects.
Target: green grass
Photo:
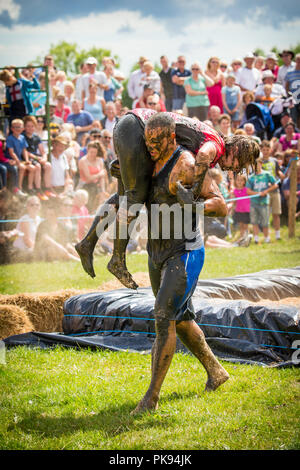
[
  {"x": 81, "y": 399},
  {"x": 47, "y": 277},
  {"x": 67, "y": 399}
]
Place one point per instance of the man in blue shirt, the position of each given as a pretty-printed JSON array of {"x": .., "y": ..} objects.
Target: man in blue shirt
[
  {"x": 178, "y": 78},
  {"x": 82, "y": 120}
]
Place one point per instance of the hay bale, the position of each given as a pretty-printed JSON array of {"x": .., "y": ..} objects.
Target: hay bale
[
  {"x": 13, "y": 321},
  {"x": 142, "y": 279},
  {"x": 44, "y": 310}
]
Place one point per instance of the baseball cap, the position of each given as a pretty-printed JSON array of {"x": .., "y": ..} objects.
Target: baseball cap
[
  {"x": 267, "y": 74},
  {"x": 249, "y": 55},
  {"x": 91, "y": 60},
  {"x": 271, "y": 55}
]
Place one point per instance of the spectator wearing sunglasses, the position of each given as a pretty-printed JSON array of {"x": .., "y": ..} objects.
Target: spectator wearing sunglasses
[
  {"x": 179, "y": 75},
  {"x": 156, "y": 103}
]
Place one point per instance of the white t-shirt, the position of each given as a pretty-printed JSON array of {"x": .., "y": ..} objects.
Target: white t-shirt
[
  {"x": 33, "y": 225},
  {"x": 99, "y": 77},
  {"x": 109, "y": 125},
  {"x": 59, "y": 167},
  {"x": 248, "y": 78},
  {"x": 135, "y": 85}
]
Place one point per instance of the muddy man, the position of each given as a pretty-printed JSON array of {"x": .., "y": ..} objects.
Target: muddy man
[{"x": 134, "y": 170}]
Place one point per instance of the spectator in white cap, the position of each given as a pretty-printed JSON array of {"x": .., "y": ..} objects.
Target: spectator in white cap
[
  {"x": 94, "y": 76},
  {"x": 288, "y": 65},
  {"x": 271, "y": 64},
  {"x": 269, "y": 79},
  {"x": 248, "y": 77}
]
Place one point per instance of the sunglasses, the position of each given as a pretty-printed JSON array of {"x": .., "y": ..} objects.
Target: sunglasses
[
  {"x": 34, "y": 205},
  {"x": 107, "y": 138},
  {"x": 96, "y": 135},
  {"x": 195, "y": 69},
  {"x": 152, "y": 104}
]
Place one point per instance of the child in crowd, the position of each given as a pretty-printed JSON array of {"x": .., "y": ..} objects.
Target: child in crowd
[
  {"x": 38, "y": 158},
  {"x": 18, "y": 93},
  {"x": 27, "y": 227},
  {"x": 232, "y": 99},
  {"x": 7, "y": 166},
  {"x": 241, "y": 206},
  {"x": 272, "y": 166},
  {"x": 260, "y": 184},
  {"x": 80, "y": 200},
  {"x": 267, "y": 99},
  {"x": 16, "y": 151}
]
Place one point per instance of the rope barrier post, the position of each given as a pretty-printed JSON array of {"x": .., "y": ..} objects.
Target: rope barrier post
[
  {"x": 48, "y": 109},
  {"x": 292, "y": 203}
]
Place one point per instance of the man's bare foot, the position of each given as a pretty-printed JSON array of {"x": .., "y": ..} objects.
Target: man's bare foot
[
  {"x": 145, "y": 405},
  {"x": 119, "y": 270},
  {"x": 85, "y": 251},
  {"x": 219, "y": 377}
]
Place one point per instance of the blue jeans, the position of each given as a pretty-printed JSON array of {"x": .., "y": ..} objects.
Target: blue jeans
[
  {"x": 178, "y": 103},
  {"x": 12, "y": 170}
]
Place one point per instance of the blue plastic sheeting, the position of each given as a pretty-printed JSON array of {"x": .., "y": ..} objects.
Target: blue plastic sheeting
[{"x": 235, "y": 329}]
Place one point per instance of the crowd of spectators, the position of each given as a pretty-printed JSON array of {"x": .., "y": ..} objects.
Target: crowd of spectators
[{"x": 54, "y": 175}]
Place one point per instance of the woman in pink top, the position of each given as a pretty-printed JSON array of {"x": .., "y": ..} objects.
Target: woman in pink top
[
  {"x": 215, "y": 92},
  {"x": 289, "y": 140},
  {"x": 242, "y": 206}
]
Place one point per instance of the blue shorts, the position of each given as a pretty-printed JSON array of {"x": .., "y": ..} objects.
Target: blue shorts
[
  {"x": 173, "y": 284},
  {"x": 259, "y": 215}
]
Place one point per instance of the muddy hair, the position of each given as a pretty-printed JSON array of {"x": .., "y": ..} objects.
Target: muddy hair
[
  {"x": 162, "y": 120},
  {"x": 245, "y": 149}
]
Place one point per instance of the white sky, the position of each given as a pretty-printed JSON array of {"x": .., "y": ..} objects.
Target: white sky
[{"x": 147, "y": 36}]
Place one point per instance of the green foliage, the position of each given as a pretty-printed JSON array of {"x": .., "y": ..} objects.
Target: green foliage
[
  {"x": 261, "y": 52},
  {"x": 68, "y": 56}
]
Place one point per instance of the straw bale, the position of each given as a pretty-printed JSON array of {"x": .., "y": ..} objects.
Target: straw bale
[
  {"x": 13, "y": 321},
  {"x": 142, "y": 279},
  {"x": 44, "y": 310}
]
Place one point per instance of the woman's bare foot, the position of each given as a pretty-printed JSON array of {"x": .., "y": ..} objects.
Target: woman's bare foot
[
  {"x": 145, "y": 405},
  {"x": 218, "y": 378},
  {"x": 118, "y": 268},
  {"x": 85, "y": 251}
]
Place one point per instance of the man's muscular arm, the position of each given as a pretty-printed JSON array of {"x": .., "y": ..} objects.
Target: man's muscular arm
[
  {"x": 204, "y": 158},
  {"x": 183, "y": 177},
  {"x": 215, "y": 205}
]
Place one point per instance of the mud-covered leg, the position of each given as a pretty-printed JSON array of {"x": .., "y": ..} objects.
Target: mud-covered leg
[
  {"x": 105, "y": 216},
  {"x": 194, "y": 339},
  {"x": 117, "y": 264},
  {"x": 162, "y": 354}
]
